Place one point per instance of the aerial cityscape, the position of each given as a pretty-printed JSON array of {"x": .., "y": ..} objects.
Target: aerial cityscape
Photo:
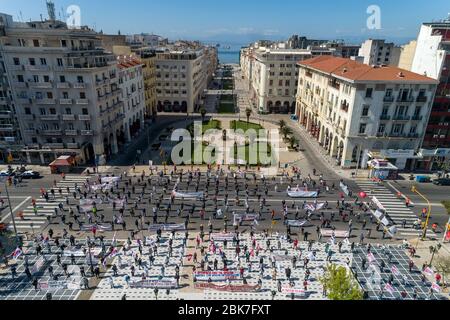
[{"x": 265, "y": 162}]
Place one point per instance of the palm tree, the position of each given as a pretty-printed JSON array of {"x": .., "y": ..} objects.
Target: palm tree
[
  {"x": 282, "y": 124},
  {"x": 248, "y": 113},
  {"x": 203, "y": 113},
  {"x": 293, "y": 141},
  {"x": 286, "y": 131}
]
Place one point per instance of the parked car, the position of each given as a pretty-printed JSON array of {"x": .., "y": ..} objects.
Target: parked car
[
  {"x": 7, "y": 173},
  {"x": 30, "y": 175},
  {"x": 442, "y": 182}
]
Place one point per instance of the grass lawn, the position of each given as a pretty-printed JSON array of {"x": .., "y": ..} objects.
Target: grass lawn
[
  {"x": 227, "y": 98},
  {"x": 207, "y": 125},
  {"x": 236, "y": 125},
  {"x": 226, "y": 108},
  {"x": 446, "y": 205}
]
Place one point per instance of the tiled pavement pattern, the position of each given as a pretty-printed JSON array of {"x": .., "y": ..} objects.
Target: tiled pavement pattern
[
  {"x": 33, "y": 222},
  {"x": 21, "y": 288},
  {"x": 395, "y": 208},
  {"x": 314, "y": 292},
  {"x": 372, "y": 278}
]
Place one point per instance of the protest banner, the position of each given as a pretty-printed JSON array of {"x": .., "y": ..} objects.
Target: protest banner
[
  {"x": 337, "y": 233},
  {"x": 315, "y": 207},
  {"x": 227, "y": 288},
  {"x": 52, "y": 285},
  {"x": 75, "y": 252},
  {"x": 289, "y": 290},
  {"x": 151, "y": 284},
  {"x": 166, "y": 227},
  {"x": 38, "y": 265},
  {"x": 216, "y": 275},
  {"x": 296, "y": 223},
  {"x": 223, "y": 236},
  {"x": 187, "y": 195},
  {"x": 378, "y": 203},
  {"x": 303, "y": 194}
]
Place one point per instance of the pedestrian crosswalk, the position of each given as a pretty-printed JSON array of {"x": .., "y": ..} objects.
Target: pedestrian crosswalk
[
  {"x": 34, "y": 221},
  {"x": 396, "y": 209}
]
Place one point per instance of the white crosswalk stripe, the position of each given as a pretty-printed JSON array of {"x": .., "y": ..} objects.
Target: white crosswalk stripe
[
  {"x": 47, "y": 209},
  {"x": 395, "y": 208}
]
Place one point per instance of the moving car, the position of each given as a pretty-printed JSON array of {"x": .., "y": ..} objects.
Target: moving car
[
  {"x": 30, "y": 175},
  {"x": 442, "y": 182}
]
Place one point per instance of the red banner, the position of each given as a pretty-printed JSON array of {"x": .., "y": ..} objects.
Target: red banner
[{"x": 227, "y": 288}]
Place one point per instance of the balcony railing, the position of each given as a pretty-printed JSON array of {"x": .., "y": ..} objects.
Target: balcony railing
[
  {"x": 422, "y": 99},
  {"x": 63, "y": 85},
  {"x": 68, "y": 117},
  {"x": 52, "y": 117},
  {"x": 45, "y": 101},
  {"x": 71, "y": 132},
  {"x": 401, "y": 118},
  {"x": 51, "y": 132},
  {"x": 73, "y": 146},
  {"x": 79, "y": 85},
  {"x": 385, "y": 117},
  {"x": 84, "y": 117},
  {"x": 87, "y": 132},
  {"x": 417, "y": 118},
  {"x": 54, "y": 146},
  {"x": 388, "y": 99},
  {"x": 82, "y": 101},
  {"x": 403, "y": 99},
  {"x": 65, "y": 101},
  {"x": 41, "y": 85},
  {"x": 29, "y": 131}
]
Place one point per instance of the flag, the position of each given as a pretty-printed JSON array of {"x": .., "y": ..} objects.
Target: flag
[
  {"x": 189, "y": 257},
  {"x": 256, "y": 222},
  {"x": 332, "y": 240},
  {"x": 389, "y": 288},
  {"x": 219, "y": 212},
  {"x": 436, "y": 287},
  {"x": 114, "y": 253},
  {"x": 346, "y": 241},
  {"x": 395, "y": 271},
  {"x": 17, "y": 253},
  {"x": 428, "y": 271}
]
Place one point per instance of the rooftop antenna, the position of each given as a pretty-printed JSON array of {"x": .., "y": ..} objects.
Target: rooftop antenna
[{"x": 51, "y": 10}]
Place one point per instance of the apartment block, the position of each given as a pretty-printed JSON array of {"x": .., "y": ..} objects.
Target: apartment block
[
  {"x": 272, "y": 76},
  {"x": 65, "y": 90},
  {"x": 380, "y": 52},
  {"x": 131, "y": 83},
  {"x": 358, "y": 112}
]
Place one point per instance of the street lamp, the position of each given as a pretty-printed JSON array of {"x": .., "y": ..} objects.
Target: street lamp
[
  {"x": 424, "y": 234},
  {"x": 433, "y": 251}
]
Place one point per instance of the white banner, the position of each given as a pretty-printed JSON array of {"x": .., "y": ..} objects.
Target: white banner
[
  {"x": 160, "y": 284},
  {"x": 223, "y": 236},
  {"x": 337, "y": 233},
  {"x": 296, "y": 223},
  {"x": 378, "y": 203},
  {"x": 75, "y": 252},
  {"x": 189, "y": 195},
  {"x": 216, "y": 275},
  {"x": 166, "y": 227},
  {"x": 315, "y": 207},
  {"x": 38, "y": 265},
  {"x": 110, "y": 180},
  {"x": 303, "y": 194}
]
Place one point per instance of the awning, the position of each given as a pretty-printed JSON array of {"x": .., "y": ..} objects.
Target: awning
[{"x": 65, "y": 161}]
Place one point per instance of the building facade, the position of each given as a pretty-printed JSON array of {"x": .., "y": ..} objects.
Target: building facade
[
  {"x": 181, "y": 78},
  {"x": 131, "y": 83},
  {"x": 357, "y": 111},
  {"x": 272, "y": 76},
  {"x": 407, "y": 53},
  {"x": 65, "y": 90},
  {"x": 380, "y": 52},
  {"x": 432, "y": 58}
]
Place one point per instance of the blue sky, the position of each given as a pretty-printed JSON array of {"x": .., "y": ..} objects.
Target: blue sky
[{"x": 244, "y": 20}]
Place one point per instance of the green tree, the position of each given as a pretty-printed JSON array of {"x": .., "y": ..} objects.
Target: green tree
[
  {"x": 282, "y": 124},
  {"x": 442, "y": 266},
  {"x": 286, "y": 131},
  {"x": 293, "y": 141},
  {"x": 340, "y": 284},
  {"x": 248, "y": 113},
  {"x": 203, "y": 113}
]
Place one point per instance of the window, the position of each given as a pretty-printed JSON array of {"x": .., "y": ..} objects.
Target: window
[
  {"x": 389, "y": 93},
  {"x": 280, "y": 83},
  {"x": 65, "y": 95},
  {"x": 20, "y": 78},
  {"x": 80, "y": 79},
  {"x": 71, "y": 127},
  {"x": 43, "y": 62},
  {"x": 417, "y": 111},
  {"x": 63, "y": 43},
  {"x": 362, "y": 128},
  {"x": 62, "y": 79},
  {"x": 59, "y": 61},
  {"x": 32, "y": 61},
  {"x": 287, "y": 83},
  {"x": 36, "y": 78},
  {"x": 271, "y": 83},
  {"x": 413, "y": 130},
  {"x": 46, "y": 79},
  {"x": 369, "y": 92},
  {"x": 381, "y": 128},
  {"x": 42, "y": 111},
  {"x": 36, "y": 43},
  {"x": 385, "y": 111},
  {"x": 16, "y": 61},
  {"x": 68, "y": 111},
  {"x": 85, "y": 111},
  {"x": 27, "y": 111},
  {"x": 49, "y": 95},
  {"x": 52, "y": 111},
  {"x": 82, "y": 95},
  {"x": 365, "y": 112}
]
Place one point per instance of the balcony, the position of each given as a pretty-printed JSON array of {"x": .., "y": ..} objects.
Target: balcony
[
  {"x": 28, "y": 116},
  {"x": 51, "y": 132},
  {"x": 422, "y": 99},
  {"x": 417, "y": 118},
  {"x": 19, "y": 84},
  {"x": 17, "y": 68},
  {"x": 405, "y": 99},
  {"x": 53, "y": 146},
  {"x": 73, "y": 146},
  {"x": 45, "y": 101},
  {"x": 84, "y": 117},
  {"x": 68, "y": 117},
  {"x": 24, "y": 101},
  {"x": 4, "y": 100},
  {"x": 87, "y": 132},
  {"x": 63, "y": 85},
  {"x": 65, "y": 101},
  {"x": 40, "y": 85},
  {"x": 388, "y": 99},
  {"x": 71, "y": 132},
  {"x": 413, "y": 135},
  {"x": 82, "y": 101},
  {"x": 50, "y": 117},
  {"x": 5, "y": 114},
  {"x": 401, "y": 118},
  {"x": 29, "y": 131},
  {"x": 6, "y": 128},
  {"x": 37, "y": 68},
  {"x": 396, "y": 135},
  {"x": 385, "y": 117},
  {"x": 79, "y": 85}
]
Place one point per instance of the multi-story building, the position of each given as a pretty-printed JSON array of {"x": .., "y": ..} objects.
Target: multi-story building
[
  {"x": 299, "y": 42},
  {"x": 148, "y": 59},
  {"x": 64, "y": 88},
  {"x": 181, "y": 78},
  {"x": 272, "y": 76},
  {"x": 131, "y": 83},
  {"x": 357, "y": 111},
  {"x": 379, "y": 52},
  {"x": 407, "y": 53},
  {"x": 432, "y": 58}
]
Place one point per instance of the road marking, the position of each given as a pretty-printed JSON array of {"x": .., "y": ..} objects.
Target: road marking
[{"x": 16, "y": 208}]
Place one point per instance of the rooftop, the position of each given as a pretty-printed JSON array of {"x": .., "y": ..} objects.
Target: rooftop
[{"x": 356, "y": 71}]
